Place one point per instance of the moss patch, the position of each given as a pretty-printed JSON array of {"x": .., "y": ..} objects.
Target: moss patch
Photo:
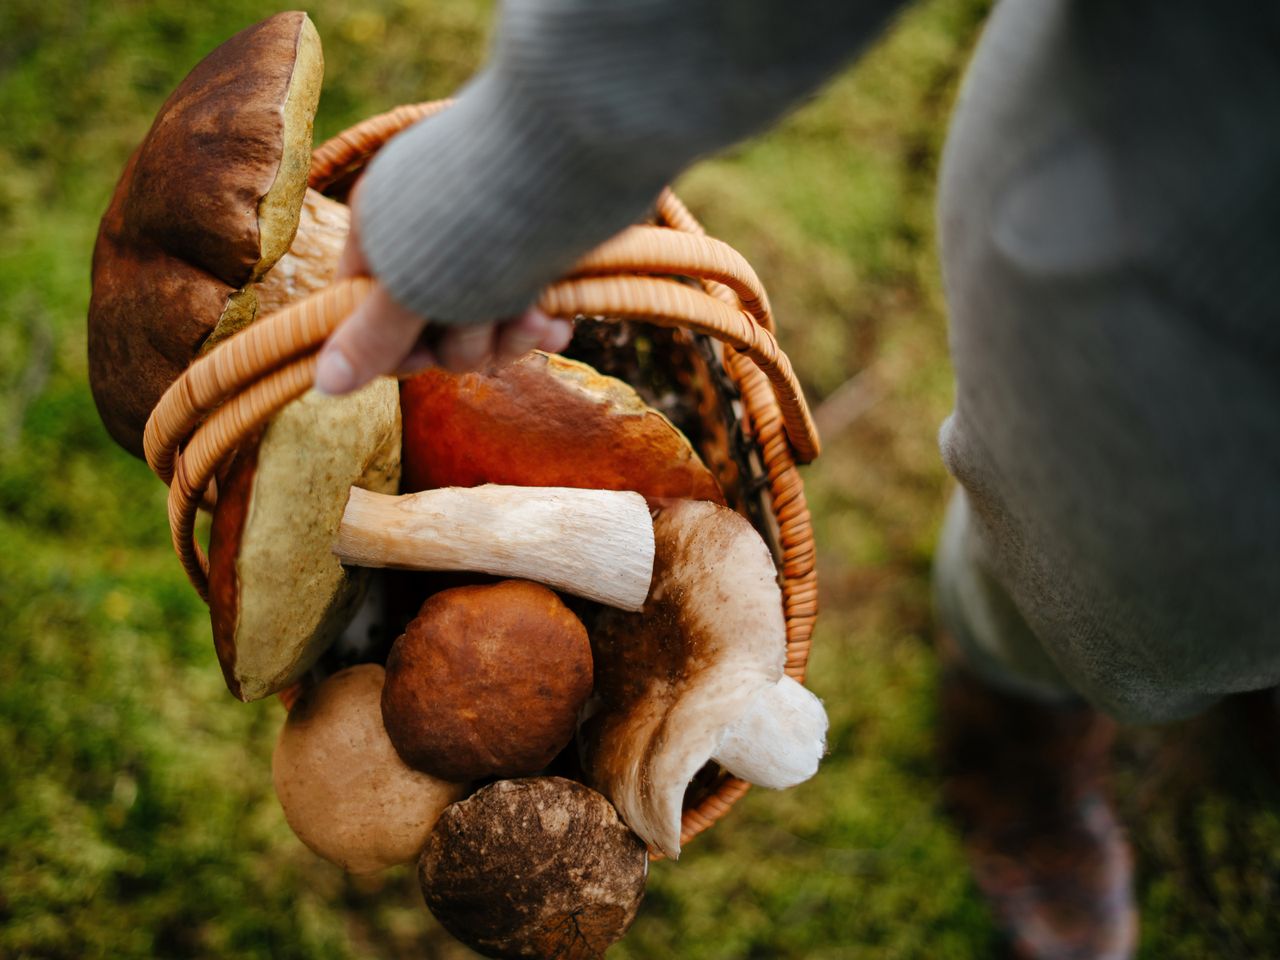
[{"x": 138, "y": 819}]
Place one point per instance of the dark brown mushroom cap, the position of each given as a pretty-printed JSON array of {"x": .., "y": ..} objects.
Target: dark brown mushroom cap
[
  {"x": 205, "y": 206},
  {"x": 487, "y": 681},
  {"x": 536, "y": 868}
]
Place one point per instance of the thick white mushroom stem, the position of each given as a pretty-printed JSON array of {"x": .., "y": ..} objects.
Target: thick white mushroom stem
[
  {"x": 596, "y": 544},
  {"x": 780, "y": 739}
]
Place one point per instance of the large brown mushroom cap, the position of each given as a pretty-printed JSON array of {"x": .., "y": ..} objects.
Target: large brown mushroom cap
[
  {"x": 344, "y": 790},
  {"x": 205, "y": 206},
  {"x": 534, "y": 868},
  {"x": 487, "y": 681},
  {"x": 277, "y": 594},
  {"x": 545, "y": 421}
]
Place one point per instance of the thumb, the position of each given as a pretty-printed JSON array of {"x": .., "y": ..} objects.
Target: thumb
[{"x": 374, "y": 340}]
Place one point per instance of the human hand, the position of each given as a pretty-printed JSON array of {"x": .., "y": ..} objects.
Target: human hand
[{"x": 381, "y": 336}]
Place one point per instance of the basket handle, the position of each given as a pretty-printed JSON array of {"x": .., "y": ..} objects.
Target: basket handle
[
  {"x": 683, "y": 250},
  {"x": 226, "y": 395}
]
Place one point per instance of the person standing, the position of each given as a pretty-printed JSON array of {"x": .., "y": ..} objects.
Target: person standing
[{"x": 1107, "y": 210}]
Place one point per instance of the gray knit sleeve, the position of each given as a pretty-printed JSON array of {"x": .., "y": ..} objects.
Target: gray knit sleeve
[{"x": 585, "y": 109}]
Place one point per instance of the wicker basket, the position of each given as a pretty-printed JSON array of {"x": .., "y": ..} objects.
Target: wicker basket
[{"x": 703, "y": 301}]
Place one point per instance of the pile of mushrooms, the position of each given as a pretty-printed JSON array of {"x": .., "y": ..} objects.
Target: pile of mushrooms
[
  {"x": 635, "y": 631},
  {"x": 696, "y": 675}
]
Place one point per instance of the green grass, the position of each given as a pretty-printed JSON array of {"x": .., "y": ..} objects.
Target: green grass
[{"x": 137, "y": 818}]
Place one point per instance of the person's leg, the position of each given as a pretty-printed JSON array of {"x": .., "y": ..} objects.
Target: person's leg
[
  {"x": 1024, "y": 763},
  {"x": 1108, "y": 215},
  {"x": 990, "y": 634},
  {"x": 1026, "y": 784}
]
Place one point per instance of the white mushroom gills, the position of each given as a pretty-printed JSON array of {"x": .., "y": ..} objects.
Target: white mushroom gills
[
  {"x": 596, "y": 544},
  {"x": 779, "y": 740},
  {"x": 697, "y": 676}
]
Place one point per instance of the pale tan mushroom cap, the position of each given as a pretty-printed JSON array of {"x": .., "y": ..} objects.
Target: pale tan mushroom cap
[
  {"x": 673, "y": 678},
  {"x": 277, "y": 594},
  {"x": 344, "y": 790}
]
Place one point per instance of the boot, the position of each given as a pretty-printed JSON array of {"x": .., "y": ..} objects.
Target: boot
[{"x": 1024, "y": 782}]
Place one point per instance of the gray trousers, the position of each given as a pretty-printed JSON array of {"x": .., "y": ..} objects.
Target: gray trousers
[{"x": 1110, "y": 229}]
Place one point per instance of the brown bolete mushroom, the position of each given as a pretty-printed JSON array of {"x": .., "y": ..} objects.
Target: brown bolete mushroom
[
  {"x": 304, "y": 506},
  {"x": 487, "y": 681},
  {"x": 212, "y": 222},
  {"x": 538, "y": 868},
  {"x": 344, "y": 790},
  {"x": 209, "y": 202},
  {"x": 544, "y": 421},
  {"x": 697, "y": 676}
]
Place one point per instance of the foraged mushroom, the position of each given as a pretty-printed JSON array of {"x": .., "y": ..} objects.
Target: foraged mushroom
[
  {"x": 344, "y": 790},
  {"x": 300, "y": 509},
  {"x": 544, "y": 421},
  {"x": 311, "y": 263},
  {"x": 696, "y": 676},
  {"x": 207, "y": 204},
  {"x": 537, "y": 868},
  {"x": 487, "y": 681},
  {"x": 277, "y": 594}
]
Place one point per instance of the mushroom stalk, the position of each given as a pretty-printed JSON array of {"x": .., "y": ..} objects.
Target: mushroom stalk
[
  {"x": 779, "y": 740},
  {"x": 311, "y": 262},
  {"x": 696, "y": 676},
  {"x": 596, "y": 544}
]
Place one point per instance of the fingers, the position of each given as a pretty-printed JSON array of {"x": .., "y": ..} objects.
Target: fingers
[
  {"x": 533, "y": 330},
  {"x": 559, "y": 333},
  {"x": 383, "y": 337},
  {"x": 423, "y": 355},
  {"x": 377, "y": 338},
  {"x": 465, "y": 348},
  {"x": 352, "y": 262}
]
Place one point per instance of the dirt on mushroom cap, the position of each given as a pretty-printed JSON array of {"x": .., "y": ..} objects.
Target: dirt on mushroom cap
[{"x": 540, "y": 868}]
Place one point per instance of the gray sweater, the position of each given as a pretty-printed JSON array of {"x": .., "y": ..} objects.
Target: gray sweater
[
  {"x": 1109, "y": 205},
  {"x": 584, "y": 111}
]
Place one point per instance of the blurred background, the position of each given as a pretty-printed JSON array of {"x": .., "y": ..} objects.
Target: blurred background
[{"x": 136, "y": 812}]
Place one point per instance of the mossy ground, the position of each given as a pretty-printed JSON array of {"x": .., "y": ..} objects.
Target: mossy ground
[{"x": 136, "y": 817}]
